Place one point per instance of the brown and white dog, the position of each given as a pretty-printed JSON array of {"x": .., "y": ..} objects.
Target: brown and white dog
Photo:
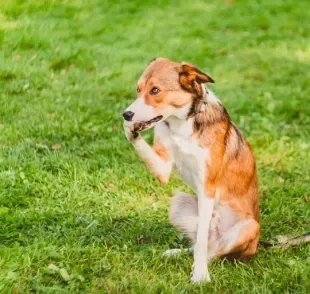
[{"x": 194, "y": 134}]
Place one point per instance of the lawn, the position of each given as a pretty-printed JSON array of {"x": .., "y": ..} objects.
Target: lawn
[{"x": 79, "y": 213}]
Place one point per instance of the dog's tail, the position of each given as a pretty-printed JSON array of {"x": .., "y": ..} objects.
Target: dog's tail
[{"x": 184, "y": 214}]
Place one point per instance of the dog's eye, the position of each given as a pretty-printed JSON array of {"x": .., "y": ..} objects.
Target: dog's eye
[
  {"x": 154, "y": 91},
  {"x": 138, "y": 90}
]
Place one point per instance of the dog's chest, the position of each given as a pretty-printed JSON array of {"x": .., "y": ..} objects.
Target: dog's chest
[{"x": 190, "y": 159}]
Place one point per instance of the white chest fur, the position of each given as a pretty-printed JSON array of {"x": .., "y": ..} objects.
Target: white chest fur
[{"x": 190, "y": 159}]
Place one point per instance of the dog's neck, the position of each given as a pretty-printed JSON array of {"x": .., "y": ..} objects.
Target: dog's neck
[{"x": 211, "y": 111}]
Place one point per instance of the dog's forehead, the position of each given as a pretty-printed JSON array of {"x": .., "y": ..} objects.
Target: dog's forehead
[{"x": 164, "y": 71}]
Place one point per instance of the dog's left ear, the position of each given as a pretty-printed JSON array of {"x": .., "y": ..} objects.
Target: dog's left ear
[{"x": 191, "y": 77}]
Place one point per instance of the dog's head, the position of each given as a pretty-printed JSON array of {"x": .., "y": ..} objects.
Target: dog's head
[{"x": 166, "y": 89}]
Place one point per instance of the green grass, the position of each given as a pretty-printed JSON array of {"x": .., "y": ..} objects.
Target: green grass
[{"x": 69, "y": 68}]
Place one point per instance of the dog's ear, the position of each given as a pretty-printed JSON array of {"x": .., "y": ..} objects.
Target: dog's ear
[{"x": 191, "y": 77}]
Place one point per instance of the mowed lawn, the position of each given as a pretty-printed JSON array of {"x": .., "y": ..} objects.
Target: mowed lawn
[{"x": 79, "y": 213}]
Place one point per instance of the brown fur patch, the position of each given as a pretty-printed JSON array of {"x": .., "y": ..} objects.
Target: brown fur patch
[
  {"x": 161, "y": 150},
  {"x": 231, "y": 164}
]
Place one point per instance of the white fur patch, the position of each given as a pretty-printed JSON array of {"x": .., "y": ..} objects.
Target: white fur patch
[
  {"x": 210, "y": 97},
  {"x": 190, "y": 159}
]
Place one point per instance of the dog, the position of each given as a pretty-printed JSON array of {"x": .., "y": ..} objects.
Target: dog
[{"x": 194, "y": 133}]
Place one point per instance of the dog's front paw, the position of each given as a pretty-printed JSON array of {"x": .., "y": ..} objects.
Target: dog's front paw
[
  {"x": 131, "y": 131},
  {"x": 200, "y": 274}
]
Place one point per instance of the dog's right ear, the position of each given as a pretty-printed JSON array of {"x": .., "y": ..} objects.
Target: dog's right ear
[{"x": 191, "y": 77}]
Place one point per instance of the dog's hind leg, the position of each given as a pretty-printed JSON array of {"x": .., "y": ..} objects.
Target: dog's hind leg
[
  {"x": 184, "y": 214},
  {"x": 240, "y": 241}
]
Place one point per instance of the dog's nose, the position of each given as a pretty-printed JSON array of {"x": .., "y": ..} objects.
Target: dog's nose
[{"x": 128, "y": 115}]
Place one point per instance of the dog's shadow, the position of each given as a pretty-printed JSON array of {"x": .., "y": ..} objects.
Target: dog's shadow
[{"x": 134, "y": 231}]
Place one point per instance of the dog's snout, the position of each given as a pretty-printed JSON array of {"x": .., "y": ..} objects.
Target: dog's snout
[{"x": 128, "y": 115}]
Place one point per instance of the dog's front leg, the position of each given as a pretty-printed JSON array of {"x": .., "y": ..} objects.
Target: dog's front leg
[
  {"x": 200, "y": 271},
  {"x": 157, "y": 159}
]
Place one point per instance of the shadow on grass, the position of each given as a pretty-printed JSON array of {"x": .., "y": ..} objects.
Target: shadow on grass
[{"x": 68, "y": 229}]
